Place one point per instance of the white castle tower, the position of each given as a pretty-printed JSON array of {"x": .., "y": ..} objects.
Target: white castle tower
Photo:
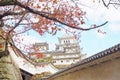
[{"x": 67, "y": 52}]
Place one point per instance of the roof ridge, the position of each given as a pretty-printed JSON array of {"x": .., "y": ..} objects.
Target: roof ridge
[{"x": 103, "y": 53}]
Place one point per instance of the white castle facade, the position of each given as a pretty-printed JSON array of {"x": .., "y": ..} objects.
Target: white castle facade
[{"x": 67, "y": 51}]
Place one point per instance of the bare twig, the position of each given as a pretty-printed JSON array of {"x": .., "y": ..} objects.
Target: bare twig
[{"x": 23, "y": 31}]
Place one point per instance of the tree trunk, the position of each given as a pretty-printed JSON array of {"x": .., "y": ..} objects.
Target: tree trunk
[{"x": 8, "y": 69}]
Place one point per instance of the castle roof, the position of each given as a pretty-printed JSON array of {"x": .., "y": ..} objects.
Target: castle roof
[
  {"x": 66, "y": 36},
  {"x": 41, "y": 44},
  {"x": 28, "y": 65},
  {"x": 101, "y": 57}
]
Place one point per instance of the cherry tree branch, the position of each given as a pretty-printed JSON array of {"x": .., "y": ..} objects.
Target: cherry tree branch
[
  {"x": 23, "y": 31},
  {"x": 49, "y": 17},
  {"x": 8, "y": 34},
  {"x": 11, "y": 13},
  {"x": 6, "y": 2},
  {"x": 16, "y": 24},
  {"x": 54, "y": 19},
  {"x": 110, "y": 2}
]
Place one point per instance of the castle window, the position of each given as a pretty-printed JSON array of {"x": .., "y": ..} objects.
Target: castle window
[
  {"x": 68, "y": 41},
  {"x": 61, "y": 61},
  {"x": 54, "y": 61}
]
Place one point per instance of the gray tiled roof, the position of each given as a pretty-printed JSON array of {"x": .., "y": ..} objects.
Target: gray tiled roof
[
  {"x": 99, "y": 55},
  {"x": 103, "y": 53}
]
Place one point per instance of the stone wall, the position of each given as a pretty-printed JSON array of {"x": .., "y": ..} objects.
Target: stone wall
[{"x": 8, "y": 69}]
